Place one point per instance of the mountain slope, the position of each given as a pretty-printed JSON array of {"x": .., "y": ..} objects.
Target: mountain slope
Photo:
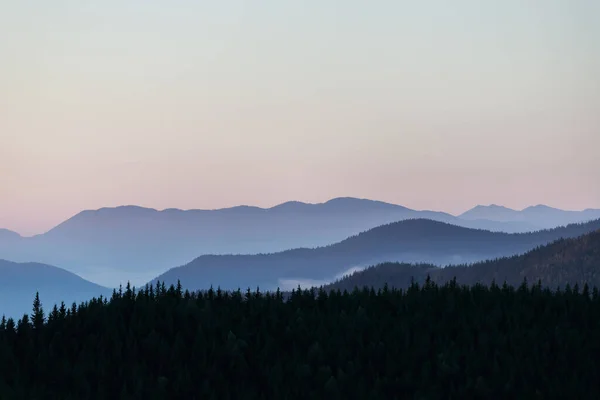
[
  {"x": 5, "y": 234},
  {"x": 492, "y": 212},
  {"x": 540, "y": 216},
  {"x": 416, "y": 240},
  {"x": 19, "y": 283},
  {"x": 565, "y": 261},
  {"x": 113, "y": 245}
]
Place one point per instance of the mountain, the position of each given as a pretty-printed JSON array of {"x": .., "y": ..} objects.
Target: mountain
[
  {"x": 7, "y": 235},
  {"x": 416, "y": 240},
  {"x": 566, "y": 261},
  {"x": 492, "y": 212},
  {"x": 113, "y": 245},
  {"x": 19, "y": 283},
  {"x": 540, "y": 216}
]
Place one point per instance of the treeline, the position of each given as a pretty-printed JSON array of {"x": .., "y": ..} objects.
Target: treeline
[
  {"x": 573, "y": 261},
  {"x": 425, "y": 342}
]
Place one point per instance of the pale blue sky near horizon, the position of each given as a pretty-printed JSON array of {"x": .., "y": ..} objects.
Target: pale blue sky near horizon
[{"x": 195, "y": 104}]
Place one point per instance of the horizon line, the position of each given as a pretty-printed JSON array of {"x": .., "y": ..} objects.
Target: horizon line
[{"x": 457, "y": 215}]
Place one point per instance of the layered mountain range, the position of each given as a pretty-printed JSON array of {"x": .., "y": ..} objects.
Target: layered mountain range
[
  {"x": 409, "y": 241},
  {"x": 574, "y": 262},
  {"x": 540, "y": 216},
  {"x": 129, "y": 243},
  {"x": 240, "y": 247}
]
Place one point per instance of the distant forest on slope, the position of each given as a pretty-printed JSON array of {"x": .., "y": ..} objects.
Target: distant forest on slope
[
  {"x": 416, "y": 240},
  {"x": 573, "y": 261}
]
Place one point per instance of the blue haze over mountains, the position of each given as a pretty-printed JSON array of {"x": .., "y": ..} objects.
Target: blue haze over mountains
[
  {"x": 114, "y": 245},
  {"x": 569, "y": 261},
  {"x": 221, "y": 247},
  {"x": 20, "y": 282},
  {"x": 408, "y": 241},
  {"x": 539, "y": 217}
]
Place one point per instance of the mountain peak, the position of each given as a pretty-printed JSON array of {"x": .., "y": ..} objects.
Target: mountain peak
[
  {"x": 492, "y": 211},
  {"x": 128, "y": 208},
  {"x": 498, "y": 207},
  {"x": 121, "y": 210},
  {"x": 5, "y": 233},
  {"x": 346, "y": 202},
  {"x": 492, "y": 206},
  {"x": 541, "y": 207},
  {"x": 290, "y": 206}
]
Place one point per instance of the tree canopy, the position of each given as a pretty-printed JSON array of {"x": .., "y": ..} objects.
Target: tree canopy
[{"x": 425, "y": 342}]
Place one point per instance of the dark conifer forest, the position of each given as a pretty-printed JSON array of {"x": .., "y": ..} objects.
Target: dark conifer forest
[{"x": 424, "y": 342}]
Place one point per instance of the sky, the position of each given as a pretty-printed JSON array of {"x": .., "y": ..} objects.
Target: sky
[{"x": 208, "y": 104}]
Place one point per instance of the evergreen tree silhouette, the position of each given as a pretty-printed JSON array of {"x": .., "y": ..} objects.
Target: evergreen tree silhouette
[{"x": 37, "y": 317}]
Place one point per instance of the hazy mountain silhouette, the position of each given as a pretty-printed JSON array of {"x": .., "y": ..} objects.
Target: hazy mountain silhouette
[
  {"x": 566, "y": 261},
  {"x": 493, "y": 212},
  {"x": 417, "y": 240},
  {"x": 5, "y": 234},
  {"x": 112, "y": 245},
  {"x": 20, "y": 281},
  {"x": 540, "y": 216}
]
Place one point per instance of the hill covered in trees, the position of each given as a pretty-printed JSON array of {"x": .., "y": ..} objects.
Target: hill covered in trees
[
  {"x": 573, "y": 261},
  {"x": 417, "y": 240},
  {"x": 425, "y": 342}
]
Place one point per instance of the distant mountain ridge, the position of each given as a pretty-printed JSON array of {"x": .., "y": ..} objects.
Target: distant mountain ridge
[
  {"x": 572, "y": 261},
  {"x": 540, "y": 215},
  {"x": 414, "y": 240},
  {"x": 112, "y": 245},
  {"x": 20, "y": 281},
  {"x": 6, "y": 234}
]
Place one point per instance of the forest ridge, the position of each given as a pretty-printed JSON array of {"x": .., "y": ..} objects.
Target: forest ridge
[{"x": 572, "y": 262}]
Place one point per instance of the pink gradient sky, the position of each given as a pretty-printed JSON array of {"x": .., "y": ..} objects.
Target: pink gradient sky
[{"x": 442, "y": 105}]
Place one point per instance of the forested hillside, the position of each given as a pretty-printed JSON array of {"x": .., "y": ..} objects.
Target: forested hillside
[
  {"x": 416, "y": 240},
  {"x": 426, "y": 342},
  {"x": 574, "y": 261}
]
